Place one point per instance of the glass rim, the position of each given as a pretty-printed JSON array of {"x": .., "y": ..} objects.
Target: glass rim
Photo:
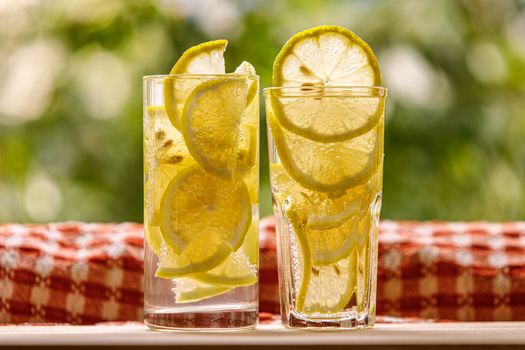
[
  {"x": 316, "y": 90},
  {"x": 198, "y": 76}
]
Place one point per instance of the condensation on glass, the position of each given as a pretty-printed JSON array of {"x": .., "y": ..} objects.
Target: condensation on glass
[
  {"x": 326, "y": 233},
  {"x": 190, "y": 302}
]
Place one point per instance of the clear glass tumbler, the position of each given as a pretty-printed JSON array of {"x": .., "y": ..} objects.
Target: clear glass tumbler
[
  {"x": 326, "y": 168},
  {"x": 201, "y": 211}
]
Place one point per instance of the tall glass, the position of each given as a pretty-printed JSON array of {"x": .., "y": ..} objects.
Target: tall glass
[
  {"x": 326, "y": 166},
  {"x": 201, "y": 210}
]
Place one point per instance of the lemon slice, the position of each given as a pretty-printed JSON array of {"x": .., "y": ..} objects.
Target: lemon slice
[
  {"x": 331, "y": 262},
  {"x": 206, "y": 58},
  {"x": 211, "y": 124},
  {"x": 169, "y": 155},
  {"x": 248, "y": 159},
  {"x": 326, "y": 55},
  {"x": 301, "y": 256},
  {"x": 251, "y": 114},
  {"x": 328, "y": 167},
  {"x": 319, "y": 289},
  {"x": 240, "y": 268},
  {"x": 162, "y": 162},
  {"x": 339, "y": 212},
  {"x": 329, "y": 212},
  {"x": 246, "y": 68},
  {"x": 327, "y": 118},
  {"x": 187, "y": 290},
  {"x": 331, "y": 287},
  {"x": 203, "y": 219},
  {"x": 251, "y": 179},
  {"x": 331, "y": 226},
  {"x": 329, "y": 245},
  {"x": 322, "y": 210},
  {"x": 370, "y": 224},
  {"x": 169, "y": 147},
  {"x": 247, "y": 149}
]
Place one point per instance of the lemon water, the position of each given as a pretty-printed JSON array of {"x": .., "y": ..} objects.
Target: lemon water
[
  {"x": 325, "y": 118},
  {"x": 327, "y": 199},
  {"x": 201, "y": 177}
]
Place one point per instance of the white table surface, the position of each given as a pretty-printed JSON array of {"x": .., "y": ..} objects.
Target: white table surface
[{"x": 414, "y": 335}]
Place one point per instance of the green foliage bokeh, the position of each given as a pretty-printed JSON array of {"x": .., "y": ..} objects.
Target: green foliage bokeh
[{"x": 455, "y": 131}]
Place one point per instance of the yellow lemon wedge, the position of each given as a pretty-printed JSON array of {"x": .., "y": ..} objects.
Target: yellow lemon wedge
[
  {"x": 246, "y": 68},
  {"x": 205, "y": 58},
  {"x": 188, "y": 290}
]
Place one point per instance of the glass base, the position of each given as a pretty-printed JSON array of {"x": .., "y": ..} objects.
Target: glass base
[
  {"x": 216, "y": 320},
  {"x": 326, "y": 324}
]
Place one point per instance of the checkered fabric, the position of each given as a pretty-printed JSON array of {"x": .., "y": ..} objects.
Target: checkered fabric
[
  {"x": 71, "y": 273},
  {"x": 88, "y": 273},
  {"x": 438, "y": 270},
  {"x": 455, "y": 271}
]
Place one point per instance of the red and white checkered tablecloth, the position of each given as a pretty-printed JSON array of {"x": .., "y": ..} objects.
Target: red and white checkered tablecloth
[
  {"x": 71, "y": 273},
  {"x": 83, "y": 273},
  {"x": 455, "y": 271}
]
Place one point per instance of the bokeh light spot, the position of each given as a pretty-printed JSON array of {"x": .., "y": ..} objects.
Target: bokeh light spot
[
  {"x": 43, "y": 198},
  {"x": 29, "y": 79},
  {"x": 486, "y": 63},
  {"x": 103, "y": 82}
]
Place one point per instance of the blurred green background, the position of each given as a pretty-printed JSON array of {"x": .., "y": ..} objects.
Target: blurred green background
[{"x": 71, "y": 97}]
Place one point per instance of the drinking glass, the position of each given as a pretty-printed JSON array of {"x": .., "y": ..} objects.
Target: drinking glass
[
  {"x": 326, "y": 166},
  {"x": 201, "y": 209}
]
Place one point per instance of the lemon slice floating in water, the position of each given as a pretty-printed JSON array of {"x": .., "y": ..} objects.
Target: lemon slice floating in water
[
  {"x": 240, "y": 268},
  {"x": 202, "y": 218},
  {"x": 188, "y": 290},
  {"x": 328, "y": 115},
  {"x": 328, "y": 167},
  {"x": 211, "y": 125}
]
